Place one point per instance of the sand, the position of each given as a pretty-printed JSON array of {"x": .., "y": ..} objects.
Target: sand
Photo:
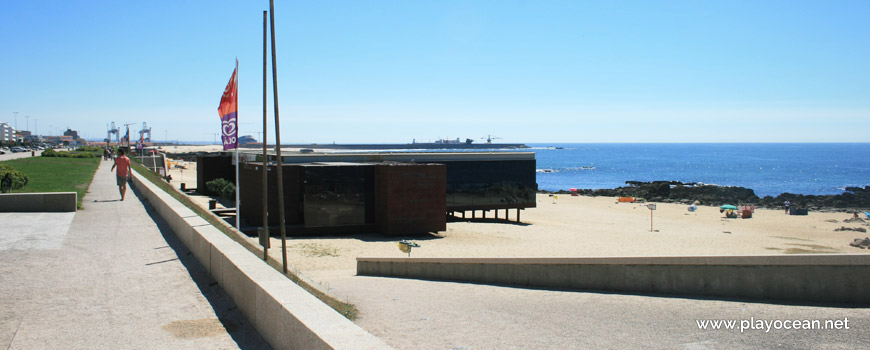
[{"x": 590, "y": 227}]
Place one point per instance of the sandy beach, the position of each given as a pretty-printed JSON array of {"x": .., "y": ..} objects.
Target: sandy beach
[
  {"x": 591, "y": 227},
  {"x": 581, "y": 226}
]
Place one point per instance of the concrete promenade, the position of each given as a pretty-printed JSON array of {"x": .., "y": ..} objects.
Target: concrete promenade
[
  {"x": 111, "y": 276},
  {"x": 419, "y": 315}
]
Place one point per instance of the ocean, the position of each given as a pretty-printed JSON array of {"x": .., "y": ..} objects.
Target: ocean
[{"x": 768, "y": 168}]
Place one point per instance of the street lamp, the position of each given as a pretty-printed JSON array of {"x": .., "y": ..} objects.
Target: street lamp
[
  {"x": 16, "y": 120},
  {"x": 28, "y": 122}
]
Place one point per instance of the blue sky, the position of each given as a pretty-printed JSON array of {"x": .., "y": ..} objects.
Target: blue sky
[{"x": 393, "y": 71}]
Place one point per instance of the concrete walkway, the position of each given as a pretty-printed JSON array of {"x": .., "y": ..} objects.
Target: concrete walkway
[
  {"x": 422, "y": 315},
  {"x": 117, "y": 278}
]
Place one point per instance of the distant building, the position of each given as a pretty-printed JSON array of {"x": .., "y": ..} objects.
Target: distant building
[
  {"x": 247, "y": 139},
  {"x": 7, "y": 133},
  {"x": 22, "y": 135},
  {"x": 59, "y": 140},
  {"x": 72, "y": 133}
]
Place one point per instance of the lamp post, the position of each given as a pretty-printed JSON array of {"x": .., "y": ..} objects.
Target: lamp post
[
  {"x": 28, "y": 122},
  {"x": 16, "y": 120}
]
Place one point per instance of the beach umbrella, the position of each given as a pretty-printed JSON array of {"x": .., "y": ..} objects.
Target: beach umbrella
[
  {"x": 572, "y": 189},
  {"x": 728, "y": 207}
]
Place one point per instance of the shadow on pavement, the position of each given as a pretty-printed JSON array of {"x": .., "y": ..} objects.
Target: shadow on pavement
[{"x": 236, "y": 325}]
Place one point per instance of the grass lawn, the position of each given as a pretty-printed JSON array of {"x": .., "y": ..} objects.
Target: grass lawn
[{"x": 57, "y": 174}]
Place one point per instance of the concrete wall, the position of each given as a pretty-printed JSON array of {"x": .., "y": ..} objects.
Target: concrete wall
[
  {"x": 286, "y": 316},
  {"x": 813, "y": 278},
  {"x": 38, "y": 202}
]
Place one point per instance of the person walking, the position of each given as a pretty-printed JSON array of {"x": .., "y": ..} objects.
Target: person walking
[
  {"x": 787, "y": 205},
  {"x": 123, "y": 165}
]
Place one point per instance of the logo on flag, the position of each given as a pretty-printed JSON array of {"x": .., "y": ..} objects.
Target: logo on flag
[{"x": 228, "y": 110}]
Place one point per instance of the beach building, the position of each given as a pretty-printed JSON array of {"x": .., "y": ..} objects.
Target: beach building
[
  {"x": 7, "y": 133},
  {"x": 391, "y": 193}
]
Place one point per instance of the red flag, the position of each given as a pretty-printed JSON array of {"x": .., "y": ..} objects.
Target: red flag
[{"x": 228, "y": 111}]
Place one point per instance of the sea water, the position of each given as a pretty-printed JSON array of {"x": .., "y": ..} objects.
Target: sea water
[{"x": 769, "y": 169}]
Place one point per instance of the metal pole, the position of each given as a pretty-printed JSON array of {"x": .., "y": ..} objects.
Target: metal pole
[
  {"x": 265, "y": 156},
  {"x": 238, "y": 164},
  {"x": 278, "y": 140}
]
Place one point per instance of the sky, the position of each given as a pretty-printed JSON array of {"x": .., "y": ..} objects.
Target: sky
[{"x": 398, "y": 71}]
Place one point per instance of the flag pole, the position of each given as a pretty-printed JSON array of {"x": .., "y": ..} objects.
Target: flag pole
[
  {"x": 265, "y": 232},
  {"x": 278, "y": 140},
  {"x": 238, "y": 203}
]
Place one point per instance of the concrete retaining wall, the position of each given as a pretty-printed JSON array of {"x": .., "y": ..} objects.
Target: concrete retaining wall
[
  {"x": 286, "y": 315},
  {"x": 839, "y": 278},
  {"x": 38, "y": 202}
]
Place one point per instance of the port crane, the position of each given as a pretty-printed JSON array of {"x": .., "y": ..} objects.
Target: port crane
[
  {"x": 127, "y": 138},
  {"x": 145, "y": 131},
  {"x": 113, "y": 131},
  {"x": 489, "y": 138}
]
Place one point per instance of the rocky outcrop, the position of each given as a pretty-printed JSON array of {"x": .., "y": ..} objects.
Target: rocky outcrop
[{"x": 852, "y": 199}]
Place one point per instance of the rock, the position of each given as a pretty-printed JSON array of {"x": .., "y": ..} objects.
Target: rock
[{"x": 678, "y": 192}]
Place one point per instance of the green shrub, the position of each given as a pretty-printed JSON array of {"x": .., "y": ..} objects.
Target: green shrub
[
  {"x": 65, "y": 154},
  {"x": 19, "y": 179},
  {"x": 51, "y": 153},
  {"x": 221, "y": 187},
  {"x": 90, "y": 149}
]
